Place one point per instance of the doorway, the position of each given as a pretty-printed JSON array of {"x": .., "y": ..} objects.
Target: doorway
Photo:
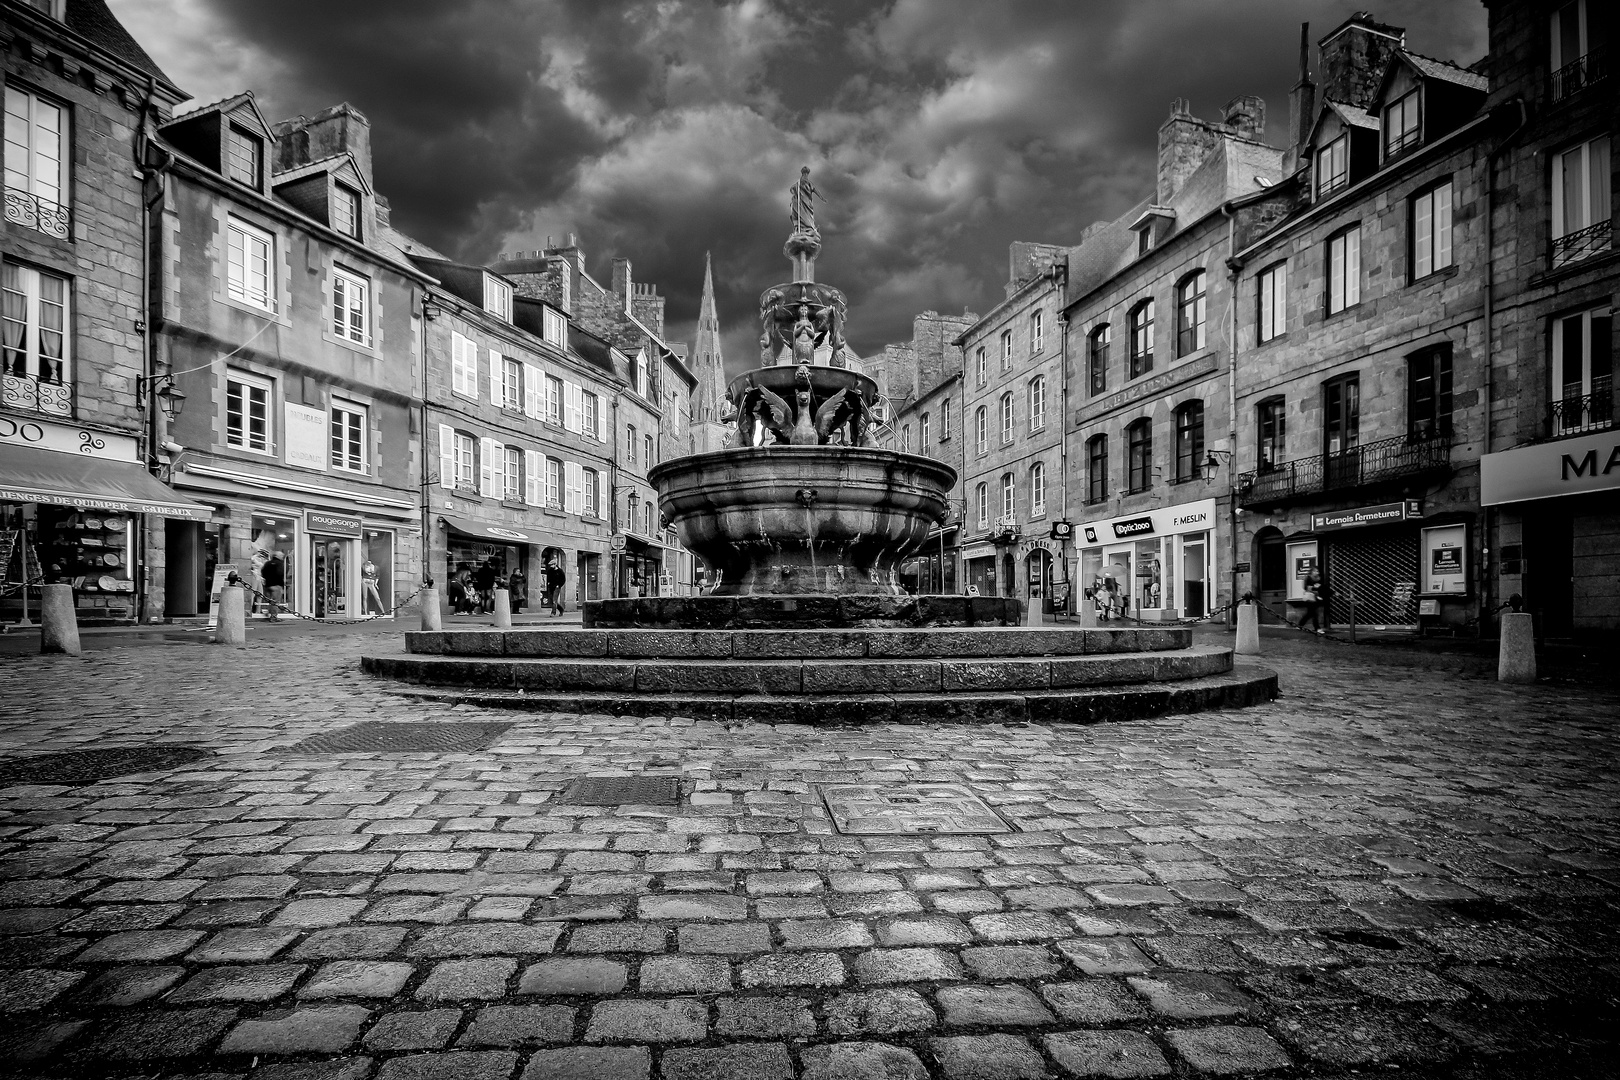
[
  {"x": 1549, "y": 566},
  {"x": 1271, "y": 581},
  {"x": 1117, "y": 579},
  {"x": 1194, "y": 577},
  {"x": 183, "y": 579},
  {"x": 331, "y": 560}
]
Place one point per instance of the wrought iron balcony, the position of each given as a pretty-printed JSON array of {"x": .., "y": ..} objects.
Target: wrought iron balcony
[
  {"x": 1589, "y": 70},
  {"x": 1582, "y": 243},
  {"x": 36, "y": 395},
  {"x": 33, "y": 212},
  {"x": 1585, "y": 414},
  {"x": 1358, "y": 467}
]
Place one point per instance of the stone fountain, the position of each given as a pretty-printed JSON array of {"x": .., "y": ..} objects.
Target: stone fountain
[{"x": 803, "y": 520}]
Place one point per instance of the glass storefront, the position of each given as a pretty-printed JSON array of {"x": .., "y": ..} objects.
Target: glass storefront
[
  {"x": 275, "y": 539},
  {"x": 377, "y": 573},
  {"x": 93, "y": 552}
]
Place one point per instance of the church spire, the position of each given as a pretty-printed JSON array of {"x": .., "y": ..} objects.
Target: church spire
[{"x": 707, "y": 363}]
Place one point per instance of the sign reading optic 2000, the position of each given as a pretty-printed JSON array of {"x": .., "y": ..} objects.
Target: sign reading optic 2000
[{"x": 66, "y": 439}]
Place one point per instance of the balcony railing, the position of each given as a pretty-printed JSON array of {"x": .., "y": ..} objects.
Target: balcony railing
[
  {"x": 36, "y": 395},
  {"x": 1360, "y": 466},
  {"x": 1589, "y": 70},
  {"x": 1582, "y": 243},
  {"x": 1585, "y": 414},
  {"x": 33, "y": 212}
]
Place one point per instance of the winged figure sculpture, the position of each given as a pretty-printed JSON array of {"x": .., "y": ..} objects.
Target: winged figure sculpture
[{"x": 761, "y": 414}]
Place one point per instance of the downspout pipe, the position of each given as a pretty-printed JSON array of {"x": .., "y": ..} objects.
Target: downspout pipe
[
  {"x": 1234, "y": 267},
  {"x": 152, "y": 436}
]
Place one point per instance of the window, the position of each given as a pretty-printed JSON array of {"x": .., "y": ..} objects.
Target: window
[
  {"x": 1344, "y": 270},
  {"x": 1037, "y": 489},
  {"x": 1009, "y": 508},
  {"x": 981, "y": 429},
  {"x": 1144, "y": 240},
  {"x": 630, "y": 444},
  {"x": 1037, "y": 323},
  {"x": 35, "y": 338},
  {"x": 511, "y": 383},
  {"x": 1333, "y": 166},
  {"x": 348, "y": 436},
  {"x": 1428, "y": 393},
  {"x": 922, "y": 434},
  {"x": 945, "y": 420},
  {"x": 1037, "y": 403},
  {"x": 1272, "y": 436},
  {"x": 1139, "y": 442},
  {"x": 351, "y": 297},
  {"x": 244, "y": 155},
  {"x": 649, "y": 457},
  {"x": 463, "y": 365},
  {"x": 640, "y": 364},
  {"x": 497, "y": 297},
  {"x": 1341, "y": 414},
  {"x": 1142, "y": 338},
  {"x": 1580, "y": 37},
  {"x": 979, "y": 363},
  {"x": 982, "y": 498},
  {"x": 247, "y": 411},
  {"x": 590, "y": 507},
  {"x": 588, "y": 404},
  {"x": 248, "y": 257},
  {"x": 1097, "y": 469},
  {"x": 346, "y": 210},
  {"x": 1190, "y": 314},
  {"x": 1583, "y": 371},
  {"x": 513, "y": 486},
  {"x": 647, "y": 518},
  {"x": 1431, "y": 231},
  {"x": 466, "y": 461},
  {"x": 1006, "y": 351},
  {"x": 36, "y": 149},
  {"x": 1189, "y": 441},
  {"x": 1401, "y": 124},
  {"x": 1273, "y": 301},
  {"x": 553, "y": 487},
  {"x": 1006, "y": 418},
  {"x": 905, "y": 438},
  {"x": 1097, "y": 357},
  {"x": 1581, "y": 208},
  {"x": 554, "y": 396},
  {"x": 553, "y": 327}
]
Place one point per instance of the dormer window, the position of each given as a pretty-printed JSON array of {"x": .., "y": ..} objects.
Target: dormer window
[
  {"x": 346, "y": 210},
  {"x": 1144, "y": 241},
  {"x": 497, "y": 298},
  {"x": 53, "y": 8},
  {"x": 244, "y": 156},
  {"x": 553, "y": 327},
  {"x": 1402, "y": 127},
  {"x": 1333, "y": 166}
]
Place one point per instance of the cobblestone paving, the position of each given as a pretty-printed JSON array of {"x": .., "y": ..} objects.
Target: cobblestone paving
[{"x": 1390, "y": 871}]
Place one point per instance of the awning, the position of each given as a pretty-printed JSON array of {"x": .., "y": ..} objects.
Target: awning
[
  {"x": 489, "y": 531},
  {"x": 28, "y": 474}
]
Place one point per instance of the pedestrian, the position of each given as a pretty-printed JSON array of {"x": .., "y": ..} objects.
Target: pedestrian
[
  {"x": 484, "y": 581},
  {"x": 274, "y": 576},
  {"x": 555, "y": 580},
  {"x": 518, "y": 586},
  {"x": 461, "y": 593},
  {"x": 1313, "y": 603}
]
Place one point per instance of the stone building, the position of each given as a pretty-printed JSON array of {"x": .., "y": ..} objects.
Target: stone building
[
  {"x": 78, "y": 504},
  {"x": 294, "y": 333},
  {"x": 1148, "y": 428},
  {"x": 1361, "y": 357},
  {"x": 1552, "y": 479}
]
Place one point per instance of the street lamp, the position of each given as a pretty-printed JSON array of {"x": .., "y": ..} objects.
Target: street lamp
[
  {"x": 169, "y": 396},
  {"x": 1213, "y": 460}
]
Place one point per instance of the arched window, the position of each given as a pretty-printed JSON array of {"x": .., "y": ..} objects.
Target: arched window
[
  {"x": 1009, "y": 508},
  {"x": 1037, "y": 323},
  {"x": 981, "y": 429},
  {"x": 1037, "y": 489},
  {"x": 1006, "y": 417},
  {"x": 1098, "y": 357},
  {"x": 979, "y": 366},
  {"x": 1189, "y": 440},
  {"x": 1142, "y": 338},
  {"x": 945, "y": 420},
  {"x": 1006, "y": 351},
  {"x": 981, "y": 495},
  {"x": 1190, "y": 314},
  {"x": 905, "y": 439},
  {"x": 1097, "y": 469},
  {"x": 922, "y": 434},
  {"x": 1037, "y": 403},
  {"x": 1139, "y": 445}
]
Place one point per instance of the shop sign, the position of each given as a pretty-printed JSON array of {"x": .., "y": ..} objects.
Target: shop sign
[
  {"x": 317, "y": 521},
  {"x": 1445, "y": 559},
  {"x": 1041, "y": 544},
  {"x": 67, "y": 439},
  {"x": 616, "y": 543},
  {"x": 1384, "y": 514},
  {"x": 506, "y": 534},
  {"x": 1565, "y": 467},
  {"x": 1141, "y": 526},
  {"x": 1301, "y": 565},
  {"x": 1183, "y": 518},
  {"x": 306, "y": 435},
  {"x": 1240, "y": 568}
]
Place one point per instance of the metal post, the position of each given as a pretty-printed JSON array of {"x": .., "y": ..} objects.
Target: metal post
[{"x": 22, "y": 534}]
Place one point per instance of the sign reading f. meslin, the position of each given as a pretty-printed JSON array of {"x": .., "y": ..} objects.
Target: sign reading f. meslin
[{"x": 1563, "y": 467}]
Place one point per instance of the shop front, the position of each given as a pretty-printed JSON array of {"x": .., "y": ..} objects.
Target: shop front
[
  {"x": 1372, "y": 562},
  {"x": 491, "y": 551},
  {"x": 72, "y": 506},
  {"x": 980, "y": 570},
  {"x": 1156, "y": 565},
  {"x": 645, "y": 567}
]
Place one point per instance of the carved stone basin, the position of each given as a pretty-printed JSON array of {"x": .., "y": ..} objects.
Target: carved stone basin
[{"x": 786, "y": 520}]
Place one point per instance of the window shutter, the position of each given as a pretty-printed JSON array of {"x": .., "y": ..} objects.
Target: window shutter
[
  {"x": 447, "y": 456},
  {"x": 486, "y": 467},
  {"x": 571, "y": 487},
  {"x": 498, "y": 469},
  {"x": 457, "y": 364},
  {"x": 497, "y": 379},
  {"x": 601, "y": 495},
  {"x": 470, "y": 351},
  {"x": 571, "y": 407},
  {"x": 534, "y": 492},
  {"x": 601, "y": 420},
  {"x": 531, "y": 391}
]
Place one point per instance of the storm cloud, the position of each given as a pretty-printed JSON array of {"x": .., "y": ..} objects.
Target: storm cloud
[{"x": 939, "y": 130}]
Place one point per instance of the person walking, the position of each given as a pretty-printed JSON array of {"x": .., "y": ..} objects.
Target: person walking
[
  {"x": 274, "y": 576},
  {"x": 518, "y": 586},
  {"x": 555, "y": 580},
  {"x": 1313, "y": 603}
]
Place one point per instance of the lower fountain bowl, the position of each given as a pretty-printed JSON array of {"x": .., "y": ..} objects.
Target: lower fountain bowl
[{"x": 787, "y": 520}]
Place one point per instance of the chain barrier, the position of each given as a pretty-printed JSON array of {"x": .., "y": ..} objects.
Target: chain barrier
[
  {"x": 1216, "y": 615},
  {"x": 278, "y": 610}
]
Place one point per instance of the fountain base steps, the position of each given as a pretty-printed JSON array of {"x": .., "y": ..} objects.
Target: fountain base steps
[{"x": 802, "y": 610}]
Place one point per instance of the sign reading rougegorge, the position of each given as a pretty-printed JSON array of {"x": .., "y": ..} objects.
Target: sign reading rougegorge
[
  {"x": 331, "y": 524},
  {"x": 1546, "y": 470},
  {"x": 1384, "y": 514}
]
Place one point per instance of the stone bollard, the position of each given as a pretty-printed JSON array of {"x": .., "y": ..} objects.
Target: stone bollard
[
  {"x": 1248, "y": 630},
  {"x": 1516, "y": 663},
  {"x": 1087, "y": 612},
  {"x": 432, "y": 617},
  {"x": 58, "y": 622},
  {"x": 232, "y": 626},
  {"x": 503, "y": 609}
]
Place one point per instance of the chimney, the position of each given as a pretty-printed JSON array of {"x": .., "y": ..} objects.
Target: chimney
[
  {"x": 341, "y": 128},
  {"x": 384, "y": 211},
  {"x": 1352, "y": 58},
  {"x": 1184, "y": 142},
  {"x": 1302, "y": 99},
  {"x": 1246, "y": 116},
  {"x": 621, "y": 280}
]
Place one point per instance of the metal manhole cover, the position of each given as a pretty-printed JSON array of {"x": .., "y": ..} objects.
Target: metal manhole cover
[
  {"x": 888, "y": 809},
  {"x": 415, "y": 737},
  {"x": 88, "y": 766},
  {"x": 623, "y": 791}
]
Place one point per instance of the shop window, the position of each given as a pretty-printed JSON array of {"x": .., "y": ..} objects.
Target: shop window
[
  {"x": 1273, "y": 301},
  {"x": 351, "y": 302},
  {"x": 1431, "y": 230},
  {"x": 36, "y": 368},
  {"x": 1037, "y": 489},
  {"x": 1097, "y": 358},
  {"x": 1190, "y": 302},
  {"x": 980, "y": 374},
  {"x": 1189, "y": 441},
  {"x": 1344, "y": 270},
  {"x": 1333, "y": 166},
  {"x": 554, "y": 396},
  {"x": 377, "y": 574},
  {"x": 1037, "y": 324},
  {"x": 346, "y": 210},
  {"x": 497, "y": 297},
  {"x": 463, "y": 365},
  {"x": 1428, "y": 393},
  {"x": 981, "y": 498},
  {"x": 247, "y": 411},
  {"x": 981, "y": 429},
  {"x": 1139, "y": 448},
  {"x": 1037, "y": 403},
  {"x": 244, "y": 156},
  {"x": 348, "y": 436},
  {"x": 1272, "y": 441},
  {"x": 36, "y": 163},
  {"x": 1096, "y": 469},
  {"x": 249, "y": 256},
  {"x": 1582, "y": 211},
  {"x": 466, "y": 461},
  {"x": 1006, "y": 418},
  {"x": 553, "y": 492},
  {"x": 1402, "y": 124},
  {"x": 1006, "y": 351},
  {"x": 1582, "y": 397},
  {"x": 1141, "y": 319},
  {"x": 1009, "y": 506}
]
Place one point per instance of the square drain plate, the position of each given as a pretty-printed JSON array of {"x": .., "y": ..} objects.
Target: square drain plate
[
  {"x": 623, "y": 791},
  {"x": 415, "y": 737},
  {"x": 889, "y": 809},
  {"x": 89, "y": 766}
]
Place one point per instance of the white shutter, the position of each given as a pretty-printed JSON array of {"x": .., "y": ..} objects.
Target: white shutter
[
  {"x": 447, "y": 456},
  {"x": 497, "y": 379},
  {"x": 531, "y": 391},
  {"x": 571, "y": 407},
  {"x": 601, "y": 420},
  {"x": 458, "y": 363},
  {"x": 601, "y": 495},
  {"x": 571, "y": 487},
  {"x": 498, "y": 470},
  {"x": 486, "y": 467},
  {"x": 470, "y": 352},
  {"x": 533, "y": 484}
]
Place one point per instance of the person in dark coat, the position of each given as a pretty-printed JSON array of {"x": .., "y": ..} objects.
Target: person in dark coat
[
  {"x": 461, "y": 592},
  {"x": 518, "y": 586},
  {"x": 484, "y": 580},
  {"x": 274, "y": 576},
  {"x": 555, "y": 580}
]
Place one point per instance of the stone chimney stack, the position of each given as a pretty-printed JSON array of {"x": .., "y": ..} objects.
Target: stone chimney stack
[
  {"x": 1246, "y": 116},
  {"x": 1302, "y": 99},
  {"x": 621, "y": 280},
  {"x": 1351, "y": 59},
  {"x": 1184, "y": 142},
  {"x": 304, "y": 139}
]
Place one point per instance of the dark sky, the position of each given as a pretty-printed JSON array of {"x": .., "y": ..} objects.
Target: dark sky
[{"x": 939, "y": 130}]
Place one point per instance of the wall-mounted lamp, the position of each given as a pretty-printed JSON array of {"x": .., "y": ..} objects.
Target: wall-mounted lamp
[
  {"x": 169, "y": 396},
  {"x": 1213, "y": 460}
]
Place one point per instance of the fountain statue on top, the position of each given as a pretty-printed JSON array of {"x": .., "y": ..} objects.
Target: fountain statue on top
[{"x": 802, "y": 503}]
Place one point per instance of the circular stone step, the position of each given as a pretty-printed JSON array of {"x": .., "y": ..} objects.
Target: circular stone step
[{"x": 807, "y": 611}]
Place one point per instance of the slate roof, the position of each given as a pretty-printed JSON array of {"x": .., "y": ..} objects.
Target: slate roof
[
  {"x": 1444, "y": 70},
  {"x": 91, "y": 20}
]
